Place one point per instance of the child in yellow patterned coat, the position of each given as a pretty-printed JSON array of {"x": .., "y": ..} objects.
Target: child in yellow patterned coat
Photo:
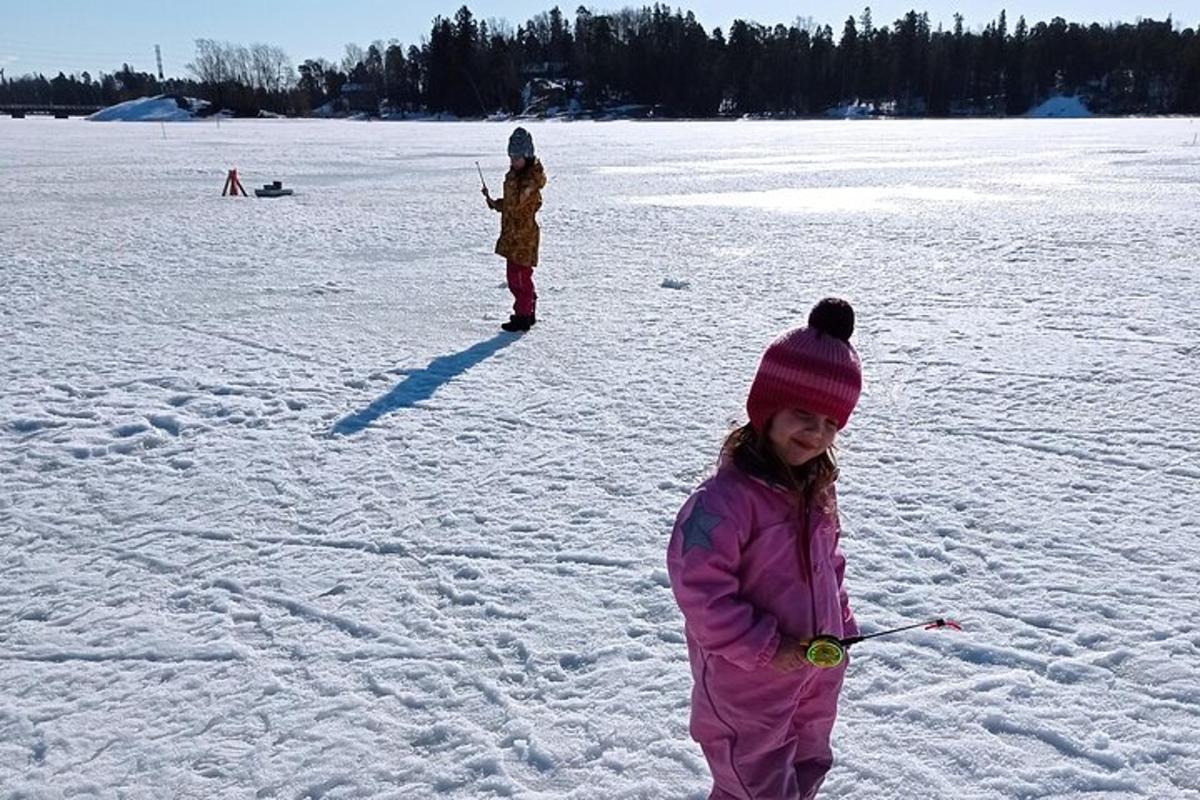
[{"x": 520, "y": 235}]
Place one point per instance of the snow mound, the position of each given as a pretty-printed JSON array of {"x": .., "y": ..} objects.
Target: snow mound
[
  {"x": 855, "y": 110},
  {"x": 162, "y": 108},
  {"x": 1060, "y": 107}
]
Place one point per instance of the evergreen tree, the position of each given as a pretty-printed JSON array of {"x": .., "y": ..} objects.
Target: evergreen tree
[{"x": 662, "y": 57}]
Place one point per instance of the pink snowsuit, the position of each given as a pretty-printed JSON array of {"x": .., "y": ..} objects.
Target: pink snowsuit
[{"x": 743, "y": 576}]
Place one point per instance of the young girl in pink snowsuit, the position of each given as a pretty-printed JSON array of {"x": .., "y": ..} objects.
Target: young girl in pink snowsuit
[{"x": 757, "y": 571}]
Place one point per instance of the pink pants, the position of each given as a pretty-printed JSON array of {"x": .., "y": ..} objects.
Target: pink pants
[
  {"x": 520, "y": 283},
  {"x": 765, "y": 737}
]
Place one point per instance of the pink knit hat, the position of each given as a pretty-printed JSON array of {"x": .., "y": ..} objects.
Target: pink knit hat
[{"x": 814, "y": 368}]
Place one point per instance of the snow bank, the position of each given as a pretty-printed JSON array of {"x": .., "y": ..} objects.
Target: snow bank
[
  {"x": 163, "y": 108},
  {"x": 1060, "y": 107},
  {"x": 852, "y": 111}
]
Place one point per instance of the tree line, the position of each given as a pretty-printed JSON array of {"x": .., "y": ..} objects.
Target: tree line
[{"x": 664, "y": 59}]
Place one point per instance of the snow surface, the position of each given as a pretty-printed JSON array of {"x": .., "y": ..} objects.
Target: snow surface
[
  {"x": 1059, "y": 106},
  {"x": 285, "y": 516}
]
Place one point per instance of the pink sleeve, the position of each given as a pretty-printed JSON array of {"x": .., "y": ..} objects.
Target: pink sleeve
[
  {"x": 849, "y": 624},
  {"x": 702, "y": 560}
]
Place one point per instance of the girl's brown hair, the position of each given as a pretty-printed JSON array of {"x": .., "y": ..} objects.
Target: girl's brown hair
[{"x": 752, "y": 453}]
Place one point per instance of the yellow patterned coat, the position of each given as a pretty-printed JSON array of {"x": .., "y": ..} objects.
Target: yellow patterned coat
[{"x": 520, "y": 235}]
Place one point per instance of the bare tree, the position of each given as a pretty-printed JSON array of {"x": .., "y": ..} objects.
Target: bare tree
[
  {"x": 210, "y": 64},
  {"x": 261, "y": 66},
  {"x": 285, "y": 73},
  {"x": 239, "y": 63},
  {"x": 500, "y": 27},
  {"x": 807, "y": 24},
  {"x": 270, "y": 68},
  {"x": 355, "y": 55}
]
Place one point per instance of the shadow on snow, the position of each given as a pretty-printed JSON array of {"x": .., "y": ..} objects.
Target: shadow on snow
[{"x": 421, "y": 384}]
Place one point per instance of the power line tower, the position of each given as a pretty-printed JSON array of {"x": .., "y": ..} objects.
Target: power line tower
[{"x": 158, "y": 57}]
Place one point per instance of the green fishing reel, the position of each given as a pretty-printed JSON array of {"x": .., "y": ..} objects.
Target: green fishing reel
[{"x": 825, "y": 652}]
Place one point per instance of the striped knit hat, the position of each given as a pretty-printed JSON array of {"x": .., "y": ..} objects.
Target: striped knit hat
[{"x": 814, "y": 368}]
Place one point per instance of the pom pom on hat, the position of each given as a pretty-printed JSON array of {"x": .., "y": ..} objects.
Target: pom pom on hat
[{"x": 833, "y": 316}]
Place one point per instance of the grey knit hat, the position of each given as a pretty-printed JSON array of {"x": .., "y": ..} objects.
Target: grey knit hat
[{"x": 520, "y": 144}]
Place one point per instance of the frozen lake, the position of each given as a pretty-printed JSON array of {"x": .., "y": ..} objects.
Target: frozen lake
[{"x": 283, "y": 515}]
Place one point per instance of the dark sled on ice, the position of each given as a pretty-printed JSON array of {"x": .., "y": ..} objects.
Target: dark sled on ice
[{"x": 273, "y": 189}]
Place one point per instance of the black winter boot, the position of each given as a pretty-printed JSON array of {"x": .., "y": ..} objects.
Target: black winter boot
[{"x": 517, "y": 323}]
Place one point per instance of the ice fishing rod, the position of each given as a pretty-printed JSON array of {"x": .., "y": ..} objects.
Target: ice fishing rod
[
  {"x": 480, "y": 171},
  {"x": 830, "y": 651}
]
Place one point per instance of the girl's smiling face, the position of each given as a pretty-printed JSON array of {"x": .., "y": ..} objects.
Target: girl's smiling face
[{"x": 798, "y": 436}]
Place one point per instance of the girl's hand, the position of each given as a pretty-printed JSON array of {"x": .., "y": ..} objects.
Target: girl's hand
[{"x": 790, "y": 656}]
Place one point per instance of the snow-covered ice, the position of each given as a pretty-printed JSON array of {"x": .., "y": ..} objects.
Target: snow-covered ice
[{"x": 283, "y": 515}]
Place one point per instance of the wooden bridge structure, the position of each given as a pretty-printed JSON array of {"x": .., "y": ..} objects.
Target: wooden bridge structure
[{"x": 21, "y": 110}]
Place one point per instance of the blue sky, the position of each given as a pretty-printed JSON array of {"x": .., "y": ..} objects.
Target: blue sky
[{"x": 76, "y": 35}]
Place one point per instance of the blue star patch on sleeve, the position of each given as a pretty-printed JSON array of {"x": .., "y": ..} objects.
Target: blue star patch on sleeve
[{"x": 697, "y": 530}]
